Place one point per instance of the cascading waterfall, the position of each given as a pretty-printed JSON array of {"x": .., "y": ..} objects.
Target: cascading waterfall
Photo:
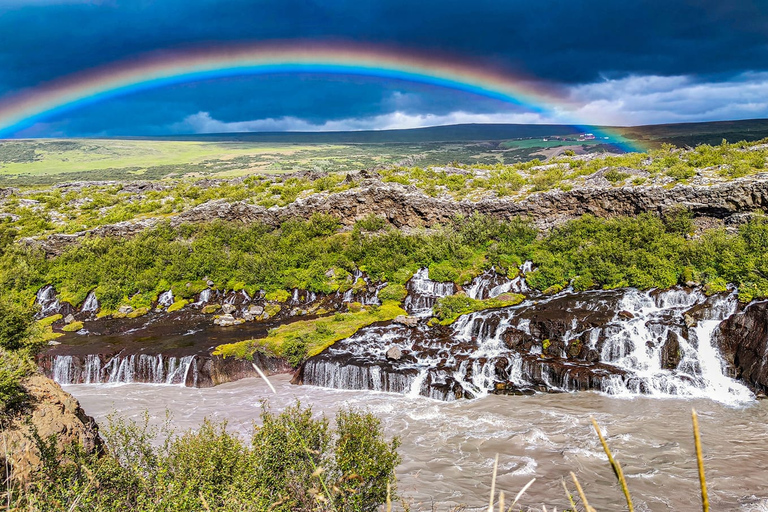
[
  {"x": 153, "y": 369},
  {"x": 423, "y": 293},
  {"x": 91, "y": 304},
  {"x": 165, "y": 299},
  {"x": 622, "y": 342},
  {"x": 48, "y": 301}
]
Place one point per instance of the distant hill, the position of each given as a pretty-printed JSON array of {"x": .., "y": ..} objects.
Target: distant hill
[{"x": 680, "y": 134}]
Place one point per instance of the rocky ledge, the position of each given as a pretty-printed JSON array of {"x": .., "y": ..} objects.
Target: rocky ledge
[
  {"x": 407, "y": 207},
  {"x": 51, "y": 412}
]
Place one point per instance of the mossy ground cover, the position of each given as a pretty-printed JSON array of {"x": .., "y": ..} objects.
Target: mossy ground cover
[
  {"x": 448, "y": 309},
  {"x": 307, "y": 338}
]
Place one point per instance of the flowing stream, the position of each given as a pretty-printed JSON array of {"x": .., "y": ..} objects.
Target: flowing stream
[{"x": 448, "y": 447}]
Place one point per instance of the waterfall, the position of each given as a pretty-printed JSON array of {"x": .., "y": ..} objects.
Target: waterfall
[
  {"x": 490, "y": 284},
  {"x": 423, "y": 293},
  {"x": 621, "y": 342},
  {"x": 204, "y": 298},
  {"x": 91, "y": 304},
  {"x": 165, "y": 299},
  {"x": 96, "y": 369},
  {"x": 48, "y": 301}
]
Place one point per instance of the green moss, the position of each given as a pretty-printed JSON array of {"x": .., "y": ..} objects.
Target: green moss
[
  {"x": 555, "y": 288},
  {"x": 278, "y": 296},
  {"x": 189, "y": 289},
  {"x": 271, "y": 310},
  {"x": 316, "y": 334},
  {"x": 177, "y": 305},
  {"x": 717, "y": 285},
  {"x": 210, "y": 308},
  {"x": 448, "y": 309},
  {"x": 393, "y": 292},
  {"x": 47, "y": 321},
  {"x": 138, "y": 312},
  {"x": 74, "y": 326}
]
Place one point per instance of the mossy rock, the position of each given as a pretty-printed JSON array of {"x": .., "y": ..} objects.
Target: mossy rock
[
  {"x": 271, "y": 310},
  {"x": 138, "y": 312},
  {"x": 73, "y": 327},
  {"x": 177, "y": 305},
  {"x": 555, "y": 288},
  {"x": 210, "y": 308},
  {"x": 278, "y": 296},
  {"x": 49, "y": 320}
]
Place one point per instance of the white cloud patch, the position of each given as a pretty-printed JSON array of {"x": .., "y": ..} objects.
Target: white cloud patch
[
  {"x": 202, "y": 122},
  {"x": 633, "y": 100}
]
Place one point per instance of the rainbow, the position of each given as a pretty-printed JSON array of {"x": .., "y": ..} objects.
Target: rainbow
[{"x": 159, "y": 69}]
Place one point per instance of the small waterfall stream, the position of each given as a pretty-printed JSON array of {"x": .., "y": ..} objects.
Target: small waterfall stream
[{"x": 153, "y": 369}]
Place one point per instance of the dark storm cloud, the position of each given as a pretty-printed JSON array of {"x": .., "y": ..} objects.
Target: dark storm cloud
[{"x": 575, "y": 43}]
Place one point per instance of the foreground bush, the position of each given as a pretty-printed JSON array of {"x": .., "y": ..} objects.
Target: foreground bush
[{"x": 293, "y": 462}]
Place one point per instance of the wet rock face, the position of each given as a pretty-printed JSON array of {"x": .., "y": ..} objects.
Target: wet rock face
[
  {"x": 617, "y": 341},
  {"x": 52, "y": 412},
  {"x": 743, "y": 340}
]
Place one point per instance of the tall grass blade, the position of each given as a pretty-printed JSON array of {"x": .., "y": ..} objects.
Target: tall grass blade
[
  {"x": 501, "y": 502},
  {"x": 389, "y": 497},
  {"x": 700, "y": 460},
  {"x": 522, "y": 491},
  {"x": 616, "y": 467},
  {"x": 493, "y": 482},
  {"x": 581, "y": 493},
  {"x": 263, "y": 376},
  {"x": 570, "y": 496}
]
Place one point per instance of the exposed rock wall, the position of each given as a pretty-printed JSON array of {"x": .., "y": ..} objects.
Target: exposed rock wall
[
  {"x": 52, "y": 412},
  {"x": 743, "y": 340},
  {"x": 407, "y": 207}
]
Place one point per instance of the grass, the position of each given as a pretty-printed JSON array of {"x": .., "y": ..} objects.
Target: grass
[{"x": 316, "y": 334}]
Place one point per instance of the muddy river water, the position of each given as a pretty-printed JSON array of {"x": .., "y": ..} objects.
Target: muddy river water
[{"x": 448, "y": 447}]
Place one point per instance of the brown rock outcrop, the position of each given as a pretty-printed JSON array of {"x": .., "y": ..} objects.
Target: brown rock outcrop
[
  {"x": 743, "y": 340},
  {"x": 407, "y": 207},
  {"x": 52, "y": 411}
]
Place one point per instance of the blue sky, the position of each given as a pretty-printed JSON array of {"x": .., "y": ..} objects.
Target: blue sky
[{"x": 638, "y": 62}]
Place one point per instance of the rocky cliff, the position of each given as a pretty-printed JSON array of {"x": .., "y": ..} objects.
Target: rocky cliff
[
  {"x": 52, "y": 412},
  {"x": 408, "y": 207}
]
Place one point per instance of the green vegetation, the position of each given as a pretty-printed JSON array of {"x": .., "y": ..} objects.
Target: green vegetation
[
  {"x": 448, "y": 309},
  {"x": 76, "y": 208},
  {"x": 298, "y": 340},
  {"x": 293, "y": 462},
  {"x": 644, "y": 251},
  {"x": 19, "y": 340}
]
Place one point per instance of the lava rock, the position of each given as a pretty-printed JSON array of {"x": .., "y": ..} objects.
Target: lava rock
[
  {"x": 626, "y": 315},
  {"x": 124, "y": 310},
  {"x": 228, "y": 309},
  {"x": 225, "y": 320},
  {"x": 69, "y": 318}
]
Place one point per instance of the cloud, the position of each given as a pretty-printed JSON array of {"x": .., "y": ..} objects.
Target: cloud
[
  {"x": 632, "y": 100},
  {"x": 202, "y": 122},
  {"x": 653, "y": 99}
]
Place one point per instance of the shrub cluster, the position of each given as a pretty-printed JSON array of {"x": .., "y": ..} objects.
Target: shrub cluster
[{"x": 293, "y": 462}]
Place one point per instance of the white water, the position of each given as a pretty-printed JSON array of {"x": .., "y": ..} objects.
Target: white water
[
  {"x": 448, "y": 447},
  {"x": 423, "y": 292},
  {"x": 91, "y": 304},
  {"x": 475, "y": 352},
  {"x": 48, "y": 301},
  {"x": 165, "y": 299},
  {"x": 155, "y": 369}
]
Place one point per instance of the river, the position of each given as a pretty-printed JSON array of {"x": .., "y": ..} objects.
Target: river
[{"x": 448, "y": 447}]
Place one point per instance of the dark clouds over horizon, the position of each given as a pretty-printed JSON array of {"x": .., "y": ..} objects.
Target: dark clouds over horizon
[{"x": 623, "y": 62}]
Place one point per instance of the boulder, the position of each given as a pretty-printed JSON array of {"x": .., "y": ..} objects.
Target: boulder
[
  {"x": 228, "y": 308},
  {"x": 394, "y": 353},
  {"x": 69, "y": 318},
  {"x": 625, "y": 315},
  {"x": 53, "y": 412},
  {"x": 255, "y": 310},
  {"x": 124, "y": 310},
  {"x": 225, "y": 320},
  {"x": 408, "y": 321}
]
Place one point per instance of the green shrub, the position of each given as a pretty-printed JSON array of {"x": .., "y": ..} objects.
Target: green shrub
[
  {"x": 293, "y": 462},
  {"x": 295, "y": 350},
  {"x": 393, "y": 292},
  {"x": 614, "y": 176}
]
